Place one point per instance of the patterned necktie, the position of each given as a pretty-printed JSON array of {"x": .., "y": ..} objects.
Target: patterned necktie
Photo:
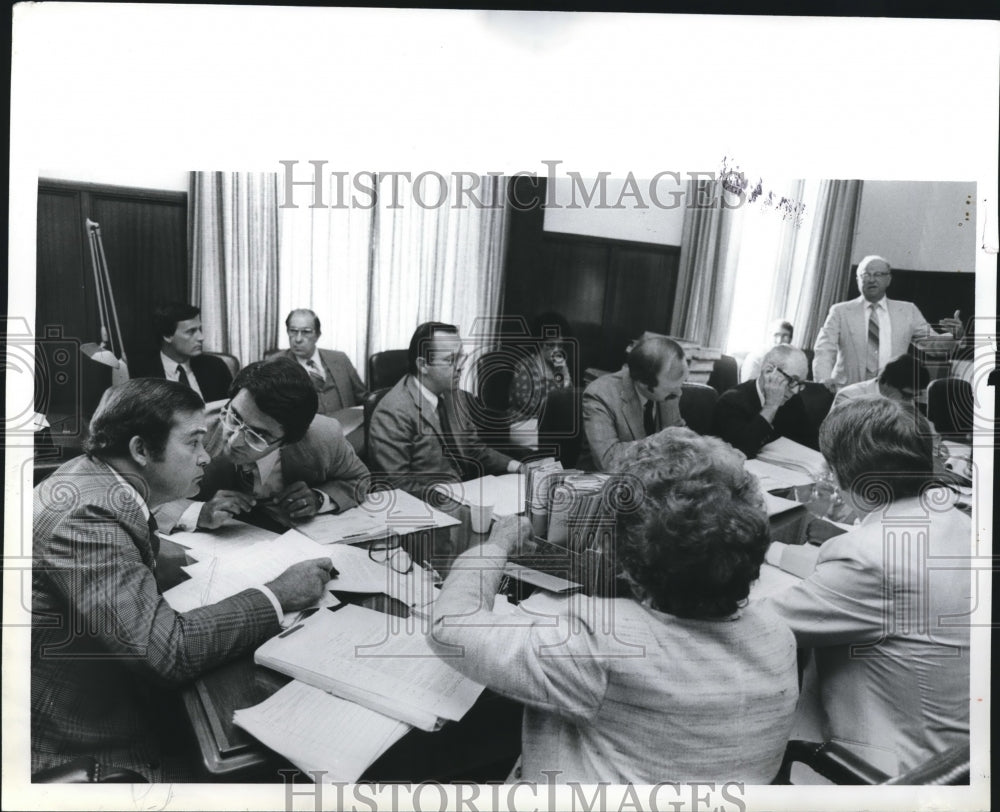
[
  {"x": 182, "y": 377},
  {"x": 871, "y": 366},
  {"x": 649, "y": 418},
  {"x": 319, "y": 382}
]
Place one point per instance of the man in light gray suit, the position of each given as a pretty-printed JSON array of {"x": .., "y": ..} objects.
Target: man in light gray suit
[{"x": 861, "y": 336}]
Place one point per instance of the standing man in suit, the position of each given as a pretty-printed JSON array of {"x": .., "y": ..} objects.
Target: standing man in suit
[
  {"x": 639, "y": 400},
  {"x": 860, "y": 337},
  {"x": 269, "y": 445},
  {"x": 178, "y": 327},
  {"x": 104, "y": 643},
  {"x": 333, "y": 375},
  {"x": 420, "y": 432},
  {"x": 758, "y": 411}
]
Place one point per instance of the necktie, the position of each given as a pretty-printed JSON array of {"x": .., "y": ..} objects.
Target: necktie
[
  {"x": 154, "y": 540},
  {"x": 319, "y": 382},
  {"x": 871, "y": 366},
  {"x": 649, "y": 418},
  {"x": 249, "y": 477},
  {"x": 182, "y": 377},
  {"x": 447, "y": 438}
]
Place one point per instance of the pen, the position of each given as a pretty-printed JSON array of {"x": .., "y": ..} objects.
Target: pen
[{"x": 334, "y": 572}]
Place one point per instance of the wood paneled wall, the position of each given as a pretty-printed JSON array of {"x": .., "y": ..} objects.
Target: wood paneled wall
[
  {"x": 145, "y": 242},
  {"x": 609, "y": 291}
]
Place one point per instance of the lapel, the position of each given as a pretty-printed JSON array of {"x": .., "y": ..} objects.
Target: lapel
[
  {"x": 631, "y": 407},
  {"x": 425, "y": 414},
  {"x": 753, "y": 397},
  {"x": 859, "y": 317},
  {"x": 128, "y": 513}
]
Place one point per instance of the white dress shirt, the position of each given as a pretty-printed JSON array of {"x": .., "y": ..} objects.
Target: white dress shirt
[{"x": 170, "y": 367}]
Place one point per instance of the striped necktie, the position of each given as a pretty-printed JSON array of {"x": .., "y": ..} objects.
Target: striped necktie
[
  {"x": 871, "y": 366},
  {"x": 319, "y": 382}
]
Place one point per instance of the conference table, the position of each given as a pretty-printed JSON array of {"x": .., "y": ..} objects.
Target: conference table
[{"x": 481, "y": 747}]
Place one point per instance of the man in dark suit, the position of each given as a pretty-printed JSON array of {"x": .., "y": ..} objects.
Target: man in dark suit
[
  {"x": 104, "y": 643},
  {"x": 421, "y": 432},
  {"x": 642, "y": 398},
  {"x": 178, "y": 327},
  {"x": 333, "y": 375},
  {"x": 761, "y": 410},
  {"x": 268, "y": 445}
]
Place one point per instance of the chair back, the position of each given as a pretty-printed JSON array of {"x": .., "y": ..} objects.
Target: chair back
[
  {"x": 817, "y": 399},
  {"x": 494, "y": 371},
  {"x": 386, "y": 368},
  {"x": 697, "y": 406},
  {"x": 368, "y": 405},
  {"x": 725, "y": 374},
  {"x": 231, "y": 361},
  {"x": 560, "y": 427},
  {"x": 949, "y": 407}
]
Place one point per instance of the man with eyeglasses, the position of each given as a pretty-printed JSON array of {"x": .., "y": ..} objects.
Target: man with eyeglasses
[
  {"x": 421, "y": 432},
  {"x": 756, "y": 412},
  {"x": 269, "y": 447},
  {"x": 860, "y": 337},
  {"x": 332, "y": 374}
]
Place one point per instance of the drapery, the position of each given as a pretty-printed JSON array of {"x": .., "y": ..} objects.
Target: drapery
[
  {"x": 710, "y": 239},
  {"x": 826, "y": 275},
  {"x": 233, "y": 243},
  {"x": 372, "y": 275}
]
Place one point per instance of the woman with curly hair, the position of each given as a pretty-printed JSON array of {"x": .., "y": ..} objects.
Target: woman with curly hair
[{"x": 681, "y": 680}]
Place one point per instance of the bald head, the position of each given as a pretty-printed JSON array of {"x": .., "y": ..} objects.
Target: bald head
[{"x": 790, "y": 360}]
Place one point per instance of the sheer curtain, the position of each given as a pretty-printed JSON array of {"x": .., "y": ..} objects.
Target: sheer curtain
[
  {"x": 710, "y": 240},
  {"x": 233, "y": 239},
  {"x": 372, "y": 275},
  {"x": 826, "y": 275}
]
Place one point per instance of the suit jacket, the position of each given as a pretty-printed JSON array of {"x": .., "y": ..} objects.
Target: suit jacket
[
  {"x": 407, "y": 446},
  {"x": 211, "y": 373},
  {"x": 738, "y": 421},
  {"x": 323, "y": 459},
  {"x": 104, "y": 643},
  {"x": 842, "y": 343},
  {"x": 617, "y": 692},
  {"x": 343, "y": 384},
  {"x": 885, "y": 622},
  {"x": 613, "y": 418}
]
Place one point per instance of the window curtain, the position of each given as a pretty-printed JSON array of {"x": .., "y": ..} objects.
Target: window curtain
[
  {"x": 233, "y": 239},
  {"x": 826, "y": 275},
  {"x": 372, "y": 275},
  {"x": 710, "y": 240}
]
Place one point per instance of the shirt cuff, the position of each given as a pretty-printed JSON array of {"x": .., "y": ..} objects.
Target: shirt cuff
[
  {"x": 274, "y": 602},
  {"x": 513, "y": 466},
  {"x": 189, "y": 518},
  {"x": 327, "y": 505}
]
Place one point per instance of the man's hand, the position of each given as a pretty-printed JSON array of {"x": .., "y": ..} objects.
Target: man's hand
[
  {"x": 299, "y": 501},
  {"x": 775, "y": 388},
  {"x": 301, "y": 584},
  {"x": 513, "y": 534},
  {"x": 222, "y": 506},
  {"x": 954, "y": 325},
  {"x": 830, "y": 384}
]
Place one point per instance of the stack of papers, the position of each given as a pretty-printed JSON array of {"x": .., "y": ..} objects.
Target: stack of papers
[
  {"x": 379, "y": 661},
  {"x": 321, "y": 733},
  {"x": 383, "y": 513},
  {"x": 795, "y": 456},
  {"x": 232, "y": 538},
  {"x": 772, "y": 477},
  {"x": 505, "y": 493}
]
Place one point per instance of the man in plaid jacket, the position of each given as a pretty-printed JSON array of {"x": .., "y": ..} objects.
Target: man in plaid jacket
[{"x": 104, "y": 643}]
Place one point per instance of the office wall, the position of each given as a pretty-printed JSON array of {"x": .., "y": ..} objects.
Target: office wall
[{"x": 918, "y": 225}]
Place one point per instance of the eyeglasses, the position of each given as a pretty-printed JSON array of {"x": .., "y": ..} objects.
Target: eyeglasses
[
  {"x": 449, "y": 360},
  {"x": 390, "y": 552},
  {"x": 874, "y": 274},
  {"x": 232, "y": 422},
  {"x": 793, "y": 383}
]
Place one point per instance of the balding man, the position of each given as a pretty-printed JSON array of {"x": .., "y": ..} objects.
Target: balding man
[
  {"x": 639, "y": 400},
  {"x": 761, "y": 410},
  {"x": 334, "y": 377},
  {"x": 860, "y": 337}
]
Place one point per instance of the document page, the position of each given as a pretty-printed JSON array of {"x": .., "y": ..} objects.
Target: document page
[{"x": 505, "y": 493}]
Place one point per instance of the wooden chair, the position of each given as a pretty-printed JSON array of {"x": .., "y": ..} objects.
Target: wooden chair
[
  {"x": 949, "y": 408},
  {"x": 725, "y": 374}
]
